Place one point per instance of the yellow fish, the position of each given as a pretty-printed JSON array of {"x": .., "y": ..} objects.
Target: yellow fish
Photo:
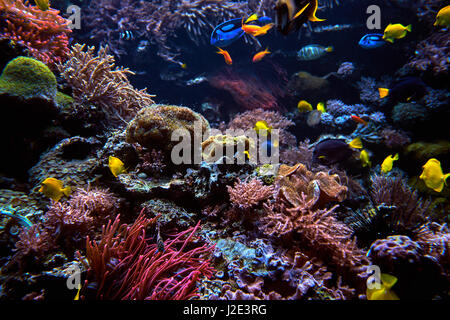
[
  {"x": 364, "y": 157},
  {"x": 77, "y": 297},
  {"x": 433, "y": 176},
  {"x": 385, "y": 292},
  {"x": 395, "y": 31},
  {"x": 253, "y": 17},
  {"x": 356, "y": 143},
  {"x": 443, "y": 17},
  {"x": 44, "y": 5},
  {"x": 53, "y": 188},
  {"x": 183, "y": 65},
  {"x": 304, "y": 106},
  {"x": 387, "y": 164},
  {"x": 116, "y": 166},
  {"x": 321, "y": 107},
  {"x": 262, "y": 127}
]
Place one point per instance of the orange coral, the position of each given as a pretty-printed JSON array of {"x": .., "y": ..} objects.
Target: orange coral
[{"x": 44, "y": 33}]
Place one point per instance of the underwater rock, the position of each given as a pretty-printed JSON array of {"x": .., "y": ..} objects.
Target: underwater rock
[
  {"x": 407, "y": 115},
  {"x": 153, "y": 126},
  {"x": 171, "y": 214},
  {"x": 72, "y": 161},
  {"x": 226, "y": 142},
  {"x": 423, "y": 151}
]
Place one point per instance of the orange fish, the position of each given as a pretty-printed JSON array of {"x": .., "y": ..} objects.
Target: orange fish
[
  {"x": 226, "y": 55},
  {"x": 255, "y": 30},
  {"x": 257, "y": 57},
  {"x": 359, "y": 120}
]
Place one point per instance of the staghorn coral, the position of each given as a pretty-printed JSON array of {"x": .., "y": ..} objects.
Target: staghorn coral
[
  {"x": 44, "y": 33},
  {"x": 94, "y": 80},
  {"x": 248, "y": 194},
  {"x": 126, "y": 265},
  {"x": 153, "y": 126}
]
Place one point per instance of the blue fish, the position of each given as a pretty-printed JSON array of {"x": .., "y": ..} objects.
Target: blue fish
[
  {"x": 229, "y": 31},
  {"x": 372, "y": 41}
]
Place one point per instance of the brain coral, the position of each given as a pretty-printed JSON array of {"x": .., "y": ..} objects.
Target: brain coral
[
  {"x": 28, "y": 78},
  {"x": 153, "y": 126}
]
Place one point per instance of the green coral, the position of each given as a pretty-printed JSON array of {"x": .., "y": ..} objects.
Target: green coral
[
  {"x": 28, "y": 78},
  {"x": 63, "y": 100}
]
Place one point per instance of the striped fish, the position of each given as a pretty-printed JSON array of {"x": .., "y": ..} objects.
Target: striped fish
[
  {"x": 312, "y": 52},
  {"x": 126, "y": 35}
]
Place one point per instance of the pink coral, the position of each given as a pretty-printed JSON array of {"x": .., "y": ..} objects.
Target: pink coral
[
  {"x": 249, "y": 194},
  {"x": 126, "y": 265}
]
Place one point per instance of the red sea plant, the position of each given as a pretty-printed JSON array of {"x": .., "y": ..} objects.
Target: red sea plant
[
  {"x": 127, "y": 265},
  {"x": 44, "y": 33}
]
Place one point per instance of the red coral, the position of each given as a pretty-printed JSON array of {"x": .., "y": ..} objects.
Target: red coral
[
  {"x": 246, "y": 195},
  {"x": 127, "y": 266},
  {"x": 44, "y": 33}
]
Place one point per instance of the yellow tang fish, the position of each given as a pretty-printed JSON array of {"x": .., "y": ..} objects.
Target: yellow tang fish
[
  {"x": 433, "y": 176},
  {"x": 321, "y": 107},
  {"x": 364, "y": 157},
  {"x": 116, "y": 166},
  {"x": 304, "y": 106},
  {"x": 387, "y": 164},
  {"x": 443, "y": 17},
  {"x": 384, "y": 292},
  {"x": 395, "y": 31},
  {"x": 356, "y": 143},
  {"x": 44, "y": 5},
  {"x": 253, "y": 17},
  {"x": 53, "y": 188},
  {"x": 262, "y": 127}
]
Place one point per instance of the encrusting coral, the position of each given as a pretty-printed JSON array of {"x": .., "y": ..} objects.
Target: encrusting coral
[{"x": 94, "y": 80}]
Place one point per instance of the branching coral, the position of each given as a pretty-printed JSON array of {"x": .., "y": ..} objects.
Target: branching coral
[
  {"x": 249, "y": 194},
  {"x": 44, "y": 33},
  {"x": 95, "y": 80},
  {"x": 126, "y": 265}
]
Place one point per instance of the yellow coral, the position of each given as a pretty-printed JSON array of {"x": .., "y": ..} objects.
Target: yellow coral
[{"x": 215, "y": 146}]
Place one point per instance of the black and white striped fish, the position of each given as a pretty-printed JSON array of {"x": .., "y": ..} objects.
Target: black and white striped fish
[{"x": 126, "y": 35}]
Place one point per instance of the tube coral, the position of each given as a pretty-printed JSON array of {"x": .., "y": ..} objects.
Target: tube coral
[
  {"x": 126, "y": 265},
  {"x": 44, "y": 33}
]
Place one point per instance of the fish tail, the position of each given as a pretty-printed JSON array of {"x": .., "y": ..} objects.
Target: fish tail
[
  {"x": 220, "y": 51},
  {"x": 313, "y": 15},
  {"x": 395, "y": 157},
  {"x": 67, "y": 191},
  {"x": 329, "y": 49},
  {"x": 383, "y": 92},
  {"x": 445, "y": 177},
  {"x": 409, "y": 27}
]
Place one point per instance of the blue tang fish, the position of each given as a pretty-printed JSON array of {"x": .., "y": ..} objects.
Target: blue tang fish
[
  {"x": 229, "y": 31},
  {"x": 372, "y": 41}
]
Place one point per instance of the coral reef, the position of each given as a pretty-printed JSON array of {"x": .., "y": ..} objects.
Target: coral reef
[
  {"x": 246, "y": 195},
  {"x": 153, "y": 126},
  {"x": 407, "y": 115},
  {"x": 94, "y": 80},
  {"x": 129, "y": 266},
  {"x": 44, "y": 33}
]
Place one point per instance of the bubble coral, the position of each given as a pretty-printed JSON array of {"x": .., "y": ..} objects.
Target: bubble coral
[{"x": 153, "y": 126}]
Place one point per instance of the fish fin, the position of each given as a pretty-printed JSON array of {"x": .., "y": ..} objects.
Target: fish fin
[
  {"x": 253, "y": 17},
  {"x": 41, "y": 189},
  {"x": 329, "y": 49},
  {"x": 356, "y": 143},
  {"x": 300, "y": 12},
  {"x": 383, "y": 92},
  {"x": 409, "y": 27},
  {"x": 67, "y": 191},
  {"x": 390, "y": 40},
  {"x": 313, "y": 15},
  {"x": 395, "y": 157}
]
